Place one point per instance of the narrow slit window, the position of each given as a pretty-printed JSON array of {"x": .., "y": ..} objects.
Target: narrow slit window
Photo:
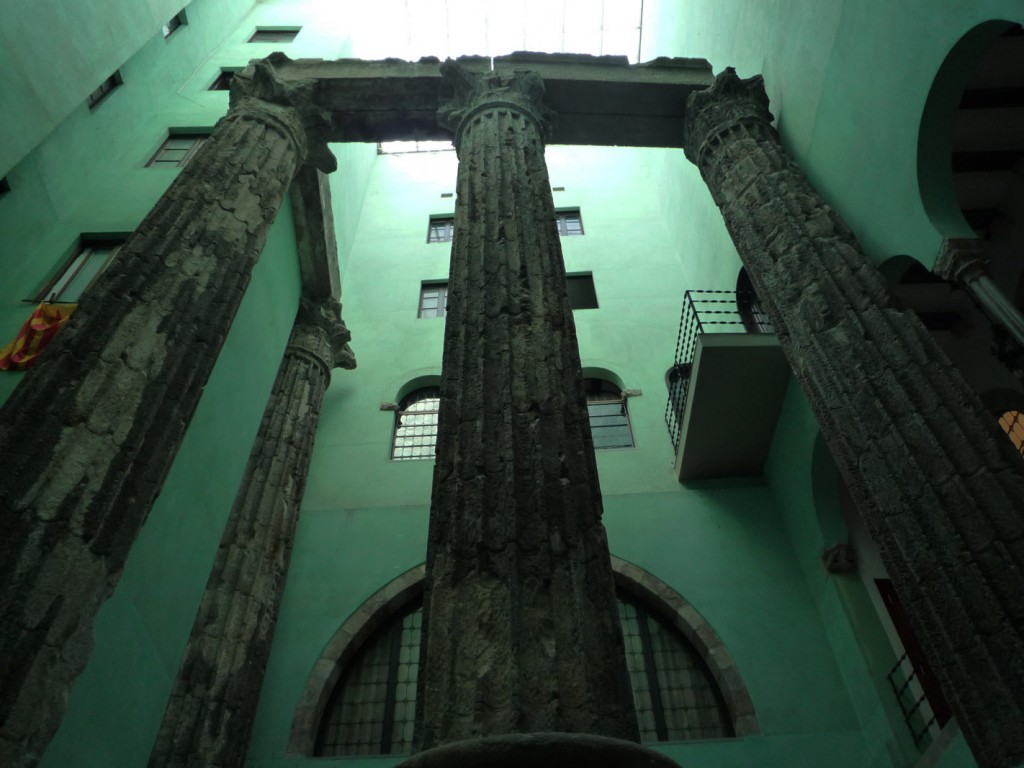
[
  {"x": 274, "y": 34},
  {"x": 104, "y": 90}
]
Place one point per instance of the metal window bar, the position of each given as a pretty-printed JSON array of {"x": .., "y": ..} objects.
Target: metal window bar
[
  {"x": 912, "y": 702},
  {"x": 706, "y": 311}
]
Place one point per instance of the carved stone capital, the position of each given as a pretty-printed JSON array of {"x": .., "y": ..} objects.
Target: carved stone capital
[
  {"x": 961, "y": 260},
  {"x": 260, "y": 83},
  {"x": 321, "y": 333},
  {"x": 727, "y": 104},
  {"x": 522, "y": 92}
]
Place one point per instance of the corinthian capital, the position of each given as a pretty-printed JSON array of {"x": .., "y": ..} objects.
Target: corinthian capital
[
  {"x": 729, "y": 102},
  {"x": 478, "y": 92},
  {"x": 319, "y": 331},
  {"x": 261, "y": 82}
]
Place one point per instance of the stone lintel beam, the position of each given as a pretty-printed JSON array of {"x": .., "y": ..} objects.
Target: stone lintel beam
[
  {"x": 600, "y": 100},
  {"x": 313, "y": 218}
]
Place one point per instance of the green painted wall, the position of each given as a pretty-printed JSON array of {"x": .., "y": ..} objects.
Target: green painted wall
[{"x": 848, "y": 95}]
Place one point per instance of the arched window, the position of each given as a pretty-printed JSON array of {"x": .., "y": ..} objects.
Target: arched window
[
  {"x": 416, "y": 425},
  {"x": 372, "y": 709},
  {"x": 609, "y": 420}
]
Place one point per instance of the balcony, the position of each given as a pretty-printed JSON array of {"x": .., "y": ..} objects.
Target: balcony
[{"x": 725, "y": 387}]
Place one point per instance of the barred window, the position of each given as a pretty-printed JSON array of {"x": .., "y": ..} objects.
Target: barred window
[
  {"x": 609, "y": 420},
  {"x": 416, "y": 425},
  {"x": 372, "y": 709}
]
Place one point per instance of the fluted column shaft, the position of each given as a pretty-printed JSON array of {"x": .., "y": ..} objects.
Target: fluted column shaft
[
  {"x": 521, "y": 629},
  {"x": 940, "y": 491},
  {"x": 210, "y": 714},
  {"x": 90, "y": 433}
]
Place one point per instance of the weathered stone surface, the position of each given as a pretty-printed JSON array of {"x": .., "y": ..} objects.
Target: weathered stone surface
[
  {"x": 521, "y": 629},
  {"x": 540, "y": 750},
  {"x": 866, "y": 365},
  {"x": 90, "y": 433},
  {"x": 212, "y": 707}
]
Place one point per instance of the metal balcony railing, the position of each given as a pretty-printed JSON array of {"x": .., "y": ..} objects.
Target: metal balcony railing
[{"x": 706, "y": 312}]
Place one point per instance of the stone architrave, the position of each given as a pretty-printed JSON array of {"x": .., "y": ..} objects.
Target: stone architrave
[
  {"x": 90, "y": 433},
  {"x": 212, "y": 707},
  {"x": 521, "y": 629},
  {"x": 940, "y": 491}
]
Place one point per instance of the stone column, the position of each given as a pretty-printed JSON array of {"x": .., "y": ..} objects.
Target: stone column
[
  {"x": 963, "y": 261},
  {"x": 90, "y": 433},
  {"x": 940, "y": 490},
  {"x": 211, "y": 710},
  {"x": 521, "y": 629}
]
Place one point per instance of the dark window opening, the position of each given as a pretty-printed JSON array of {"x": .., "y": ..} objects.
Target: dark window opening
[
  {"x": 223, "y": 81},
  {"x": 433, "y": 300},
  {"x": 441, "y": 229},
  {"x": 104, "y": 90},
  {"x": 609, "y": 420},
  {"x": 5, "y": 186},
  {"x": 178, "y": 20},
  {"x": 580, "y": 289},
  {"x": 80, "y": 271},
  {"x": 569, "y": 222},
  {"x": 274, "y": 34},
  {"x": 416, "y": 425}
]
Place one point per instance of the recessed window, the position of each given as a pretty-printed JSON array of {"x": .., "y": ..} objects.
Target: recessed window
[
  {"x": 581, "y": 291},
  {"x": 433, "y": 300},
  {"x": 372, "y": 709},
  {"x": 104, "y": 90},
  {"x": 609, "y": 420},
  {"x": 177, "y": 149},
  {"x": 441, "y": 229},
  {"x": 5, "y": 186},
  {"x": 569, "y": 222},
  {"x": 178, "y": 20},
  {"x": 223, "y": 81},
  {"x": 416, "y": 425},
  {"x": 274, "y": 34},
  {"x": 80, "y": 271}
]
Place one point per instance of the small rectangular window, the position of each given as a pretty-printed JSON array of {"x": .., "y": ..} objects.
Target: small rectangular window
[
  {"x": 274, "y": 34},
  {"x": 441, "y": 230},
  {"x": 178, "y": 20},
  {"x": 79, "y": 272},
  {"x": 223, "y": 81},
  {"x": 104, "y": 90},
  {"x": 569, "y": 222},
  {"x": 581, "y": 291},
  {"x": 177, "y": 149},
  {"x": 433, "y": 300}
]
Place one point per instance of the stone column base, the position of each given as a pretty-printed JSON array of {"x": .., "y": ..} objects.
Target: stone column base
[{"x": 540, "y": 750}]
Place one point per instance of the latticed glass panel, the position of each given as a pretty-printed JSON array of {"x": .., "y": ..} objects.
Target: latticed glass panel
[
  {"x": 416, "y": 425},
  {"x": 1012, "y": 423},
  {"x": 609, "y": 421},
  {"x": 373, "y": 709}
]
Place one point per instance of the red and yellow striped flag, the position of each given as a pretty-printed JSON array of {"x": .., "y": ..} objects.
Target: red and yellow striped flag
[{"x": 41, "y": 326}]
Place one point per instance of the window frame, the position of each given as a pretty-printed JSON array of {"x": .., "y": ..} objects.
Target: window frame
[
  {"x": 178, "y": 134},
  {"x": 443, "y": 224},
  {"x": 418, "y": 395},
  {"x": 594, "y": 387},
  {"x": 441, "y": 311},
  {"x": 222, "y": 82},
  {"x": 176, "y": 22},
  {"x": 87, "y": 248},
  {"x": 562, "y": 219}
]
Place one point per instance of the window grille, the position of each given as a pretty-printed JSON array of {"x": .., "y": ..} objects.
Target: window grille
[{"x": 416, "y": 425}]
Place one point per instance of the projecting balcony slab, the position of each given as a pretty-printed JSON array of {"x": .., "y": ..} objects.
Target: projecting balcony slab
[{"x": 737, "y": 383}]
